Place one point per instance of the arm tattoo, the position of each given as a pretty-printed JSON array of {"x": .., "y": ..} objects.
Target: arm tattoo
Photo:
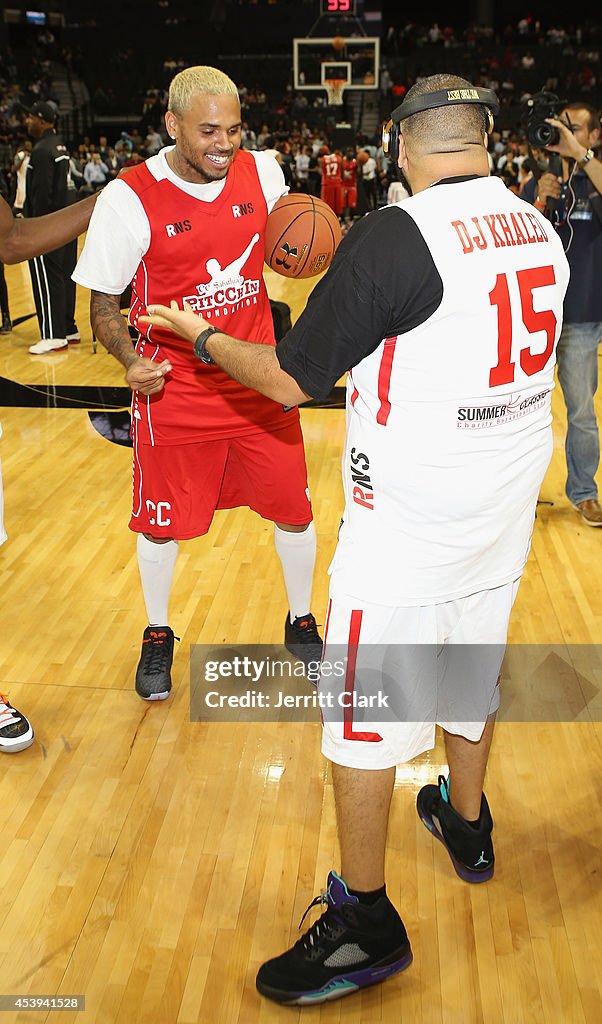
[{"x": 110, "y": 327}]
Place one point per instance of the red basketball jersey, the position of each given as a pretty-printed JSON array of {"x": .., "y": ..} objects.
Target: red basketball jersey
[
  {"x": 210, "y": 255},
  {"x": 350, "y": 183},
  {"x": 332, "y": 169},
  {"x": 332, "y": 177},
  {"x": 350, "y": 171}
]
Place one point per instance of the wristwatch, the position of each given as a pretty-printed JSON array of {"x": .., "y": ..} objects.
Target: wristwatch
[
  {"x": 589, "y": 155},
  {"x": 199, "y": 346}
]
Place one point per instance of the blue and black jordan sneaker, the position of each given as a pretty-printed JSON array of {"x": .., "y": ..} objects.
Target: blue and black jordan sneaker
[
  {"x": 468, "y": 843},
  {"x": 351, "y": 946}
]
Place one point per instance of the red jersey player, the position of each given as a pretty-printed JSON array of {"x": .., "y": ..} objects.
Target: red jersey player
[
  {"x": 331, "y": 165},
  {"x": 349, "y": 183},
  {"x": 190, "y": 222}
]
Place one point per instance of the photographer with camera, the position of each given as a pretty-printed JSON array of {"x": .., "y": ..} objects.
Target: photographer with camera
[{"x": 572, "y": 199}]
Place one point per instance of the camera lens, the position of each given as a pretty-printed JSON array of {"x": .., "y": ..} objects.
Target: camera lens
[{"x": 543, "y": 134}]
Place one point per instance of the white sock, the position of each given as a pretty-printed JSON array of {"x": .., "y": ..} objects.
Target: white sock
[
  {"x": 297, "y": 554},
  {"x": 156, "y": 563}
]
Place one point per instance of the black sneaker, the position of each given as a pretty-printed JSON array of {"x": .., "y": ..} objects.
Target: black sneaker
[
  {"x": 470, "y": 847},
  {"x": 16, "y": 732},
  {"x": 350, "y": 947},
  {"x": 153, "y": 675},
  {"x": 302, "y": 639}
]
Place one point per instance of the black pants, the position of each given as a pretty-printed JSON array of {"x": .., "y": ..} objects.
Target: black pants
[
  {"x": 370, "y": 192},
  {"x": 3, "y": 294},
  {"x": 54, "y": 291}
]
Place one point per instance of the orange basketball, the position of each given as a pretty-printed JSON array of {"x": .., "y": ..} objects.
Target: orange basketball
[{"x": 301, "y": 236}]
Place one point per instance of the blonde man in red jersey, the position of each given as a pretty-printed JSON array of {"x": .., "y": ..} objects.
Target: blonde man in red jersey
[{"x": 190, "y": 221}]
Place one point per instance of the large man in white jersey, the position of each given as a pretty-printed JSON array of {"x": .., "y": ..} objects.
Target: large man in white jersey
[
  {"x": 190, "y": 222},
  {"x": 446, "y": 310}
]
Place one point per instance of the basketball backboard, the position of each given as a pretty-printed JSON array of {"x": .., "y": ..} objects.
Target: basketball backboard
[{"x": 314, "y": 57}]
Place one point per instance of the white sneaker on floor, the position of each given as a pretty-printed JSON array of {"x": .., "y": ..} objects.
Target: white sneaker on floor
[
  {"x": 16, "y": 732},
  {"x": 75, "y": 338},
  {"x": 48, "y": 345}
]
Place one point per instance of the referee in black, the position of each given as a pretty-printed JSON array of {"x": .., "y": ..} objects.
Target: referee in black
[{"x": 48, "y": 189}]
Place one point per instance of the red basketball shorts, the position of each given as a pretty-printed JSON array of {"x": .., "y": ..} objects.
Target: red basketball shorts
[
  {"x": 350, "y": 197},
  {"x": 177, "y": 488},
  {"x": 333, "y": 196}
]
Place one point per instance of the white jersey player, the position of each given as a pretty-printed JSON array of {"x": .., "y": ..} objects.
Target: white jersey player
[{"x": 446, "y": 310}]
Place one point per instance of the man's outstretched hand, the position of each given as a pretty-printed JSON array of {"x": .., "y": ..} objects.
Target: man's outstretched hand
[{"x": 182, "y": 322}]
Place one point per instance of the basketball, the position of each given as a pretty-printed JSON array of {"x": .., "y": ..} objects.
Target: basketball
[{"x": 301, "y": 236}]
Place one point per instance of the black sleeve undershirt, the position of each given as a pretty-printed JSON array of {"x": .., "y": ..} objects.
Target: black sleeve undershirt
[{"x": 381, "y": 283}]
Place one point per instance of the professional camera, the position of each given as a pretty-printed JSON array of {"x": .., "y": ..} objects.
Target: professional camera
[{"x": 533, "y": 115}]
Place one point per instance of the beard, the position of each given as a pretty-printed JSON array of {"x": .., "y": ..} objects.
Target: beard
[{"x": 187, "y": 159}]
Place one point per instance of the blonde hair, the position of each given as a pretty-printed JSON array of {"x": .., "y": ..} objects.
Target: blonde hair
[{"x": 201, "y": 79}]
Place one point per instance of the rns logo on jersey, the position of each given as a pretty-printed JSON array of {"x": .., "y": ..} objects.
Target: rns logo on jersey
[
  {"x": 363, "y": 492},
  {"x": 178, "y": 228},
  {"x": 242, "y": 209}
]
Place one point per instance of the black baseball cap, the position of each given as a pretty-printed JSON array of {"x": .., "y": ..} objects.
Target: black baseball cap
[{"x": 45, "y": 111}]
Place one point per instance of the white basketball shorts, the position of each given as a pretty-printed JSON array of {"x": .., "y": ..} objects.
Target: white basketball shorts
[{"x": 390, "y": 675}]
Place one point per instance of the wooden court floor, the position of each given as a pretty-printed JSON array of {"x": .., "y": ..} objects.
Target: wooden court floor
[{"x": 151, "y": 864}]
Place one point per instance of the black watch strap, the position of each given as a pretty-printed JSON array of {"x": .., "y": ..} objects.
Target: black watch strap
[{"x": 199, "y": 346}]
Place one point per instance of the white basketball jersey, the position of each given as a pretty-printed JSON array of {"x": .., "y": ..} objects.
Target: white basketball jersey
[{"x": 449, "y": 424}]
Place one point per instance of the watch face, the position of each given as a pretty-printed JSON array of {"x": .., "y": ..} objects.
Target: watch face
[{"x": 199, "y": 345}]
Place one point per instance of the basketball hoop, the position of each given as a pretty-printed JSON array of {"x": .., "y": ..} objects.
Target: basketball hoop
[{"x": 335, "y": 88}]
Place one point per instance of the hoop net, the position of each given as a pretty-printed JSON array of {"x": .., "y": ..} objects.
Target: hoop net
[{"x": 335, "y": 88}]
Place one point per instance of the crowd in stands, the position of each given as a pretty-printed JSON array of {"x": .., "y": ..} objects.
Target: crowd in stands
[{"x": 515, "y": 64}]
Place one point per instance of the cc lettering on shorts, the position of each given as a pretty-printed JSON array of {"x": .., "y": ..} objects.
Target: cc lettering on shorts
[{"x": 157, "y": 513}]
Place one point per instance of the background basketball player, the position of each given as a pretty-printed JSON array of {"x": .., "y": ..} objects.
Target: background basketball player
[{"x": 331, "y": 165}]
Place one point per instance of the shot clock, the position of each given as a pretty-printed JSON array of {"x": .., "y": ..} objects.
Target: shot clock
[{"x": 338, "y": 6}]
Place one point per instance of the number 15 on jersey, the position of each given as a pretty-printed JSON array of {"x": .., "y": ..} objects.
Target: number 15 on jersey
[{"x": 536, "y": 322}]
